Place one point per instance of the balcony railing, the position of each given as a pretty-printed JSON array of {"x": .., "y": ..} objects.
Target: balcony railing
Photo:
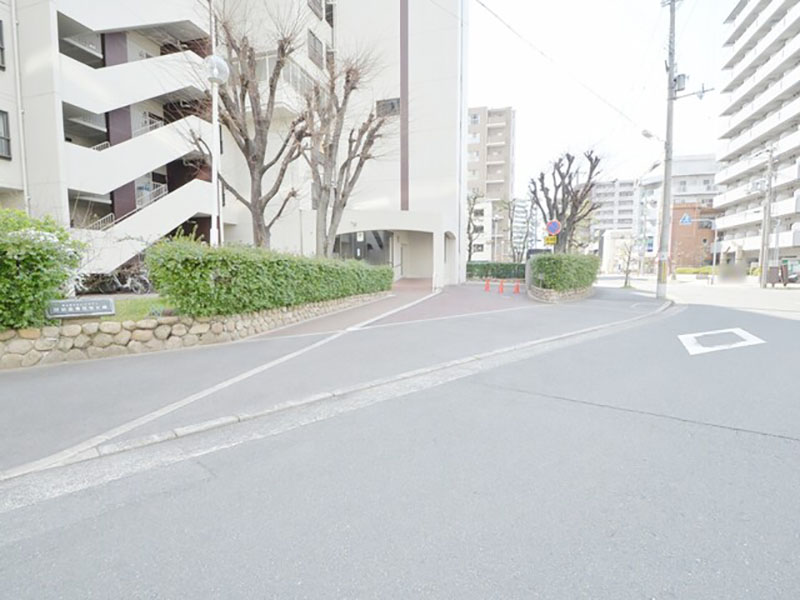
[
  {"x": 149, "y": 124},
  {"x": 778, "y": 29},
  {"x": 102, "y": 223},
  {"x": 146, "y": 198}
]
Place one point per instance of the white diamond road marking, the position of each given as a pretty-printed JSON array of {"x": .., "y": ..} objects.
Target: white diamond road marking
[{"x": 693, "y": 346}]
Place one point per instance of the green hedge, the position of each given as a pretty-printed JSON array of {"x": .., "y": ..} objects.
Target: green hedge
[
  {"x": 202, "y": 281},
  {"x": 37, "y": 259},
  {"x": 564, "y": 272},
  {"x": 693, "y": 270},
  {"x": 493, "y": 270}
]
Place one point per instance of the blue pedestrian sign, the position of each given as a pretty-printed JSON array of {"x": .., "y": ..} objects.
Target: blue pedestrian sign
[
  {"x": 553, "y": 227},
  {"x": 686, "y": 219}
]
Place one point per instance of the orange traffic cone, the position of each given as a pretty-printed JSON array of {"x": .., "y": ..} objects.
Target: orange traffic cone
[
  {"x": 516, "y": 287},
  {"x": 501, "y": 287},
  {"x": 488, "y": 286}
]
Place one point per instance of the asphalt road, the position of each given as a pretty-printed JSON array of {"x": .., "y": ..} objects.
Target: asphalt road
[
  {"x": 613, "y": 466},
  {"x": 44, "y": 411}
]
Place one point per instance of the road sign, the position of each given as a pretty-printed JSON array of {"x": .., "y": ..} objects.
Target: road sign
[
  {"x": 551, "y": 240},
  {"x": 72, "y": 309},
  {"x": 686, "y": 219},
  {"x": 553, "y": 227}
]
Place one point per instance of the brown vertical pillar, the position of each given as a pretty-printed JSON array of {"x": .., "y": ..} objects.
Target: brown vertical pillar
[
  {"x": 404, "y": 117},
  {"x": 118, "y": 122}
]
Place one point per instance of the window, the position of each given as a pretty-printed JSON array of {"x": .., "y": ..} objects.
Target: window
[
  {"x": 477, "y": 247},
  {"x": 478, "y": 212},
  {"x": 316, "y": 7},
  {"x": 5, "y": 136},
  {"x": 316, "y": 50},
  {"x": 388, "y": 108},
  {"x": 682, "y": 185},
  {"x": 474, "y": 119},
  {"x": 2, "y": 49},
  {"x": 478, "y": 229}
]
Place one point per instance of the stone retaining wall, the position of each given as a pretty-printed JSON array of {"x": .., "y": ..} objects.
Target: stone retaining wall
[
  {"x": 85, "y": 339},
  {"x": 554, "y": 297}
]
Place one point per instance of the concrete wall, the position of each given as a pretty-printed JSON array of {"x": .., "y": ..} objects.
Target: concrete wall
[{"x": 10, "y": 170}]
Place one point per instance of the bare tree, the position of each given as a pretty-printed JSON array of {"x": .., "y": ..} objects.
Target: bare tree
[
  {"x": 627, "y": 258},
  {"x": 247, "y": 108},
  {"x": 472, "y": 234},
  {"x": 562, "y": 196},
  {"x": 337, "y": 161}
]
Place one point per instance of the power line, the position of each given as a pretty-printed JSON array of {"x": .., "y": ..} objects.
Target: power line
[{"x": 553, "y": 61}]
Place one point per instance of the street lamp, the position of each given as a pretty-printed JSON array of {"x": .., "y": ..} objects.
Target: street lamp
[{"x": 217, "y": 72}]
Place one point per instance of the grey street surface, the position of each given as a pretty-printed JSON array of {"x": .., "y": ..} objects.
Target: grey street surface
[
  {"x": 47, "y": 410},
  {"x": 610, "y": 465}
]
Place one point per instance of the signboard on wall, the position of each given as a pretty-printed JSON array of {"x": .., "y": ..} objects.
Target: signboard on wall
[{"x": 80, "y": 308}]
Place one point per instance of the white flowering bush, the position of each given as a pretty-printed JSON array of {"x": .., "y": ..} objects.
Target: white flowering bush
[{"x": 37, "y": 257}]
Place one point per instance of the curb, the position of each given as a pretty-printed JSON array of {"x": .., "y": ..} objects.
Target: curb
[{"x": 204, "y": 426}]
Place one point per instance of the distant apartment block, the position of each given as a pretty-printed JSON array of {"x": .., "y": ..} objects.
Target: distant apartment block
[
  {"x": 760, "y": 83},
  {"x": 616, "y": 206},
  {"x": 490, "y": 174},
  {"x": 693, "y": 193}
]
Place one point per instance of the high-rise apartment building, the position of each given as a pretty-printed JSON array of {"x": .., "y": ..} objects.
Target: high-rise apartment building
[
  {"x": 490, "y": 175},
  {"x": 616, "y": 206},
  {"x": 761, "y": 81},
  {"x": 97, "y": 125}
]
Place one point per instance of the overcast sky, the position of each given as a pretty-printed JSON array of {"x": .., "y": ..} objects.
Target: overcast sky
[{"x": 615, "y": 47}]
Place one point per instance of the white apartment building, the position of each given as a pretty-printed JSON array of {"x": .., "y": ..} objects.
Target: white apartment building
[
  {"x": 490, "y": 174},
  {"x": 692, "y": 184},
  {"x": 96, "y": 126},
  {"x": 616, "y": 206},
  {"x": 527, "y": 226},
  {"x": 761, "y": 88}
]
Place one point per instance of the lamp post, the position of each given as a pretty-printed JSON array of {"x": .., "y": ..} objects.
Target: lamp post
[{"x": 217, "y": 73}]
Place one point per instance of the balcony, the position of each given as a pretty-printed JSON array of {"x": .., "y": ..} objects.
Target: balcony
[
  {"x": 182, "y": 20},
  {"x": 743, "y": 21},
  {"x": 753, "y": 189},
  {"x": 761, "y": 132},
  {"x": 752, "y": 164},
  {"x": 784, "y": 30},
  {"x": 759, "y": 18},
  {"x": 752, "y": 243},
  {"x": 780, "y": 91},
  {"x": 84, "y": 47},
  {"x": 783, "y": 60}
]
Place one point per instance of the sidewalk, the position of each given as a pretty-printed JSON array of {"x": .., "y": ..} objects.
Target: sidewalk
[{"x": 779, "y": 301}]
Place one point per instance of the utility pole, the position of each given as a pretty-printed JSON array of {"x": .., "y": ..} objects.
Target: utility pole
[
  {"x": 666, "y": 204},
  {"x": 765, "y": 224}
]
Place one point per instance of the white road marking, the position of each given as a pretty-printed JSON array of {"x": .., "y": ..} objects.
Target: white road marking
[
  {"x": 65, "y": 455},
  {"x": 694, "y": 347}
]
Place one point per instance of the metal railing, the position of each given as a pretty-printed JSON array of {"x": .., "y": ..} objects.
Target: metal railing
[
  {"x": 149, "y": 124},
  {"x": 158, "y": 191},
  {"x": 102, "y": 223}
]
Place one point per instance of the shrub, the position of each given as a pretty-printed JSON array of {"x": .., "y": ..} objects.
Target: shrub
[
  {"x": 564, "y": 272},
  {"x": 202, "y": 281},
  {"x": 493, "y": 270},
  {"x": 37, "y": 257},
  {"x": 693, "y": 270}
]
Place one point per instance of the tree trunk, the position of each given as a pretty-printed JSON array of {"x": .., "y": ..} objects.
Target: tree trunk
[
  {"x": 260, "y": 233},
  {"x": 561, "y": 243},
  {"x": 261, "y": 237},
  {"x": 322, "y": 226}
]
